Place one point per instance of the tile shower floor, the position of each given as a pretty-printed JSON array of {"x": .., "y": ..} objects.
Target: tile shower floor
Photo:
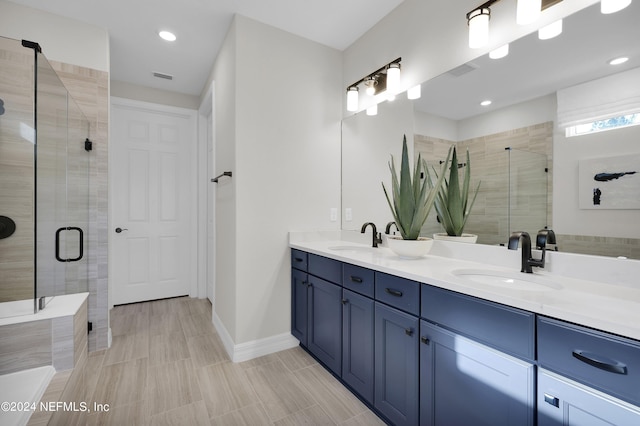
[{"x": 167, "y": 366}]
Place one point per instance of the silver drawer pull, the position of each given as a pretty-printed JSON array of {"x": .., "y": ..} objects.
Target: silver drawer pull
[
  {"x": 600, "y": 362},
  {"x": 550, "y": 399}
]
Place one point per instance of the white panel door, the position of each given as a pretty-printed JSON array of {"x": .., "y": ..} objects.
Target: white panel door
[{"x": 152, "y": 201}]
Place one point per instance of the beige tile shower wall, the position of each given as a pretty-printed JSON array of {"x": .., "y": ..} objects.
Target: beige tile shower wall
[
  {"x": 90, "y": 89},
  {"x": 489, "y": 217},
  {"x": 600, "y": 246},
  {"x": 16, "y": 171}
]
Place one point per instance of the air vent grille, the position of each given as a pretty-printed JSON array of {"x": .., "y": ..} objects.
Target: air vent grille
[
  {"x": 163, "y": 75},
  {"x": 462, "y": 69}
]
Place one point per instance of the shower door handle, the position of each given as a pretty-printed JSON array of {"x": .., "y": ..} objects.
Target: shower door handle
[{"x": 80, "y": 243}]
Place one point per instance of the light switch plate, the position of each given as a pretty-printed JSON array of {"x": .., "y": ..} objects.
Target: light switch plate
[
  {"x": 333, "y": 214},
  {"x": 348, "y": 214}
]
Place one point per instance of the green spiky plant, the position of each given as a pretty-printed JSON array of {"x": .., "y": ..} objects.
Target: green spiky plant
[
  {"x": 452, "y": 204},
  {"x": 412, "y": 199}
]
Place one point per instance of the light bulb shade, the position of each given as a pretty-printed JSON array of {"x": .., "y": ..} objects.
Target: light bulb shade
[
  {"x": 550, "y": 31},
  {"x": 415, "y": 92},
  {"x": 372, "y": 110},
  {"x": 612, "y": 6},
  {"x": 478, "y": 27},
  {"x": 352, "y": 99},
  {"x": 393, "y": 78},
  {"x": 500, "y": 52},
  {"x": 528, "y": 11}
]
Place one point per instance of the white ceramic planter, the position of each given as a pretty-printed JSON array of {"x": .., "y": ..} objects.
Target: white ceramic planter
[
  {"x": 464, "y": 238},
  {"x": 409, "y": 249}
]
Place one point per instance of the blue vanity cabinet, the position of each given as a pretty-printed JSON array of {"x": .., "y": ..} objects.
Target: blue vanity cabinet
[
  {"x": 325, "y": 322},
  {"x": 396, "y": 365},
  {"x": 299, "y": 305},
  {"x": 357, "y": 343},
  {"x": 463, "y": 382},
  {"x": 316, "y": 306},
  {"x": 586, "y": 376},
  {"x": 564, "y": 402}
]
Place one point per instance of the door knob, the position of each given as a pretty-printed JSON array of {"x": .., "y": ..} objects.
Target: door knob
[{"x": 119, "y": 230}]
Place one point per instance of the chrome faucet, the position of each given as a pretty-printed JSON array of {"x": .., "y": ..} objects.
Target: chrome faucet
[
  {"x": 377, "y": 238},
  {"x": 387, "y": 230},
  {"x": 544, "y": 236}
]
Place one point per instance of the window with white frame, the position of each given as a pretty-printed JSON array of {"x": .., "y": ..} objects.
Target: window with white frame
[{"x": 603, "y": 125}]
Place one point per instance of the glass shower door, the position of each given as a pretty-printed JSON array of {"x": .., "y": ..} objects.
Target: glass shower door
[
  {"x": 62, "y": 192},
  {"x": 527, "y": 191}
]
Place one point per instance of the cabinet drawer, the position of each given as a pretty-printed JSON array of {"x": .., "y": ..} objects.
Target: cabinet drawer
[
  {"x": 402, "y": 293},
  {"x": 299, "y": 259},
  {"x": 601, "y": 360},
  {"x": 508, "y": 329},
  {"x": 325, "y": 268},
  {"x": 358, "y": 279}
]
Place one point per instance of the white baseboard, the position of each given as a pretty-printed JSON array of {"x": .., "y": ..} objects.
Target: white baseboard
[{"x": 256, "y": 348}]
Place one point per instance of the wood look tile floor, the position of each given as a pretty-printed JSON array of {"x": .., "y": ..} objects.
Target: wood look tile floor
[{"x": 167, "y": 366}]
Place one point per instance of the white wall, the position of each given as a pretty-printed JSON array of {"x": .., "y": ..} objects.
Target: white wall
[
  {"x": 156, "y": 96},
  {"x": 568, "y": 218},
  {"x": 287, "y": 164},
  {"x": 278, "y": 130},
  {"x": 61, "y": 39},
  {"x": 224, "y": 72},
  {"x": 535, "y": 111}
]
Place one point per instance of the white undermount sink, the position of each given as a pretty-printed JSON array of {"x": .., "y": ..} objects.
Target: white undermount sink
[{"x": 509, "y": 280}]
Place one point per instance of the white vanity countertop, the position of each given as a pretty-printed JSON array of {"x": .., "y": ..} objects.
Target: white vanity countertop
[{"x": 610, "y": 302}]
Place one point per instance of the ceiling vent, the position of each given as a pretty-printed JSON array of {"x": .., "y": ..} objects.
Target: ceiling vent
[
  {"x": 462, "y": 69},
  {"x": 162, "y": 75}
]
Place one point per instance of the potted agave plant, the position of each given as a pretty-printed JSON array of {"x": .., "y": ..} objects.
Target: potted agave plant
[
  {"x": 411, "y": 200},
  {"x": 452, "y": 203}
]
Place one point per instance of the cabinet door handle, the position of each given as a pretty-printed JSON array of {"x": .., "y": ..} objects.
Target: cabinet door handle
[
  {"x": 408, "y": 331},
  {"x": 550, "y": 399},
  {"x": 305, "y": 282},
  {"x": 393, "y": 292},
  {"x": 355, "y": 279},
  {"x": 425, "y": 340},
  {"x": 345, "y": 301},
  {"x": 600, "y": 362},
  {"x": 309, "y": 284}
]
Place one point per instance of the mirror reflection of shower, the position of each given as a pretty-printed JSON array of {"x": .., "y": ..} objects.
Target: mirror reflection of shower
[
  {"x": 44, "y": 183},
  {"x": 528, "y": 182}
]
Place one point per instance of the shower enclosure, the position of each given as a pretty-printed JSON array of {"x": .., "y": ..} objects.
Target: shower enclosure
[{"x": 45, "y": 159}]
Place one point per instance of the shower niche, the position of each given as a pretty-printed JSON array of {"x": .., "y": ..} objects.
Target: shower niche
[{"x": 45, "y": 163}]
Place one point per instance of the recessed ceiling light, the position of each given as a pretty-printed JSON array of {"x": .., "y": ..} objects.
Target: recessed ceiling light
[
  {"x": 618, "y": 61},
  {"x": 485, "y": 103},
  {"x": 167, "y": 35}
]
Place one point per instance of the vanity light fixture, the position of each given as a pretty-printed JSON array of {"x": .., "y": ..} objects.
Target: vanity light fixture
[
  {"x": 550, "y": 31},
  {"x": 393, "y": 78},
  {"x": 528, "y": 11},
  {"x": 370, "y": 83},
  {"x": 485, "y": 103},
  {"x": 415, "y": 92},
  {"x": 167, "y": 35},
  {"x": 613, "y": 6},
  {"x": 500, "y": 52},
  {"x": 618, "y": 61},
  {"x": 386, "y": 78},
  {"x": 352, "y": 98},
  {"x": 478, "y": 20}
]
